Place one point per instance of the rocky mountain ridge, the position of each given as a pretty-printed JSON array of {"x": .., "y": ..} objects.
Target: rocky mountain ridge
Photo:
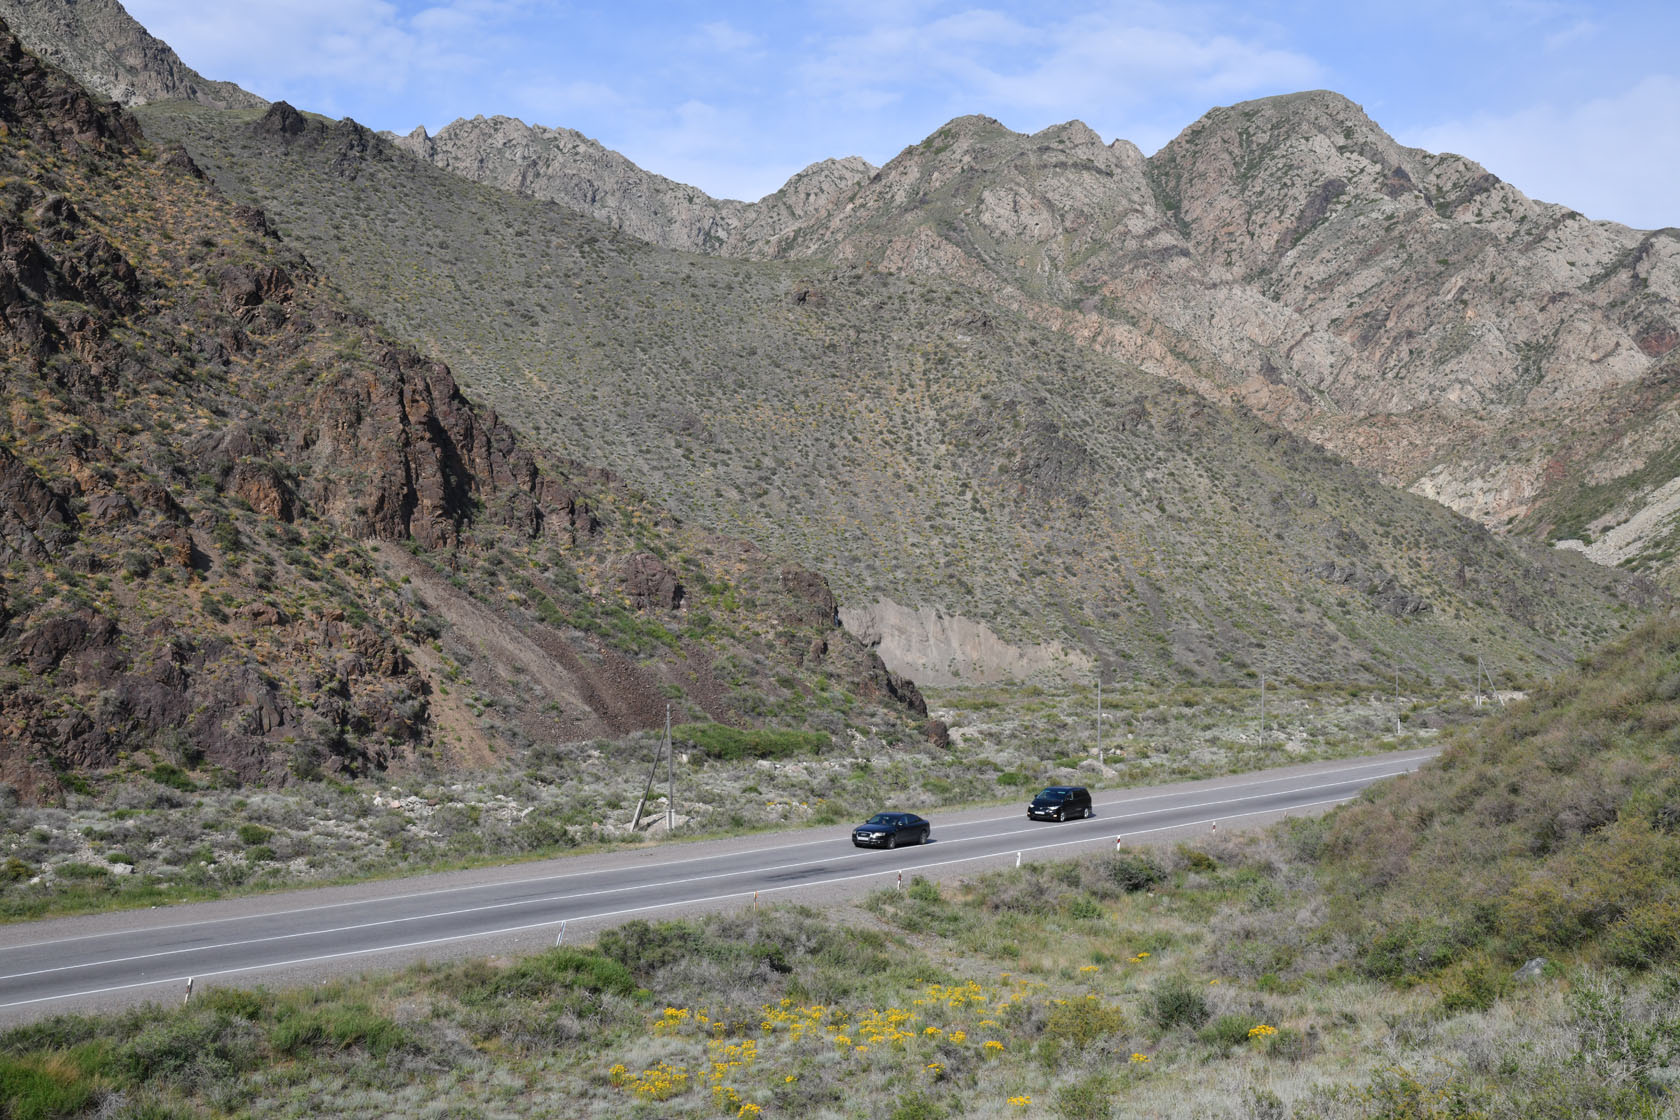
[
  {"x": 103, "y": 46},
  {"x": 565, "y": 166},
  {"x": 1406, "y": 309}
]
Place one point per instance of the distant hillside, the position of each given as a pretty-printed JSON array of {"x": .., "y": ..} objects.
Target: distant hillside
[
  {"x": 1408, "y": 310},
  {"x": 924, "y": 447},
  {"x": 99, "y": 44},
  {"x": 246, "y": 535}
]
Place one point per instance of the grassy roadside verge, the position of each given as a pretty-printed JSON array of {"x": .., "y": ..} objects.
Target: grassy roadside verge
[{"x": 1204, "y": 982}]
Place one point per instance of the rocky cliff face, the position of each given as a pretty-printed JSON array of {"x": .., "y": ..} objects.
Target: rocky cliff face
[
  {"x": 101, "y": 45},
  {"x": 1406, "y": 309},
  {"x": 246, "y": 535},
  {"x": 561, "y": 165}
]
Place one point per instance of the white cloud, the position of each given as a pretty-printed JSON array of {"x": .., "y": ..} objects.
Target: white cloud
[
  {"x": 1099, "y": 61},
  {"x": 1613, "y": 157},
  {"x": 1574, "y": 33},
  {"x": 366, "y": 44},
  {"x": 724, "y": 37}
]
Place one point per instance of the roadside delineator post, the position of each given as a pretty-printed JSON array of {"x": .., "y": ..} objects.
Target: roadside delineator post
[
  {"x": 900, "y": 880},
  {"x": 1017, "y": 859},
  {"x": 1215, "y": 826},
  {"x": 755, "y": 900},
  {"x": 188, "y": 997},
  {"x": 560, "y": 938},
  {"x": 1117, "y": 843}
]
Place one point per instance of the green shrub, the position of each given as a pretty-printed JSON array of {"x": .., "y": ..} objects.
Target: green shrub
[
  {"x": 1196, "y": 860},
  {"x": 1176, "y": 1002},
  {"x": 1226, "y": 1031},
  {"x": 168, "y": 774},
  {"x": 923, "y": 889},
  {"x": 916, "y": 1105},
  {"x": 562, "y": 968},
  {"x": 339, "y": 1027},
  {"x": 237, "y": 1002},
  {"x": 1471, "y": 985},
  {"x": 189, "y": 1049},
  {"x": 1646, "y": 936},
  {"x": 1134, "y": 870},
  {"x": 644, "y": 947},
  {"x": 1081, "y": 1022},
  {"x": 253, "y": 834},
  {"x": 1089, "y": 1099},
  {"x": 1288, "y": 1044}
]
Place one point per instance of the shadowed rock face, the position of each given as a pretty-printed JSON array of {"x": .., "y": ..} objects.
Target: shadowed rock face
[{"x": 206, "y": 459}]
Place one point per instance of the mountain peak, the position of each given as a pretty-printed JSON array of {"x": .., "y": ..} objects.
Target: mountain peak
[{"x": 99, "y": 44}]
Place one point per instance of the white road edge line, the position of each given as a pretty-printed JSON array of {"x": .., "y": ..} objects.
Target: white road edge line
[{"x": 634, "y": 910}]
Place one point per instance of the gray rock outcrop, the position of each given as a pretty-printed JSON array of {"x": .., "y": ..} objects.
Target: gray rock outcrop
[{"x": 565, "y": 166}]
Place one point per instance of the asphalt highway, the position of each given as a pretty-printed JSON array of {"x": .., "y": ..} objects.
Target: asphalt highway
[{"x": 121, "y": 958}]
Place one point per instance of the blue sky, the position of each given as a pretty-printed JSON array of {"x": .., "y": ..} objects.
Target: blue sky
[{"x": 1573, "y": 103}]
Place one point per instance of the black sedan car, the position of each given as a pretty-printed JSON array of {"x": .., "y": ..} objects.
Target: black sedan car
[
  {"x": 889, "y": 830},
  {"x": 1061, "y": 803}
]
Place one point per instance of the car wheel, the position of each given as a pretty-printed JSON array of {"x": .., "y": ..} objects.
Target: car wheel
[
  {"x": 926, "y": 834},
  {"x": 1061, "y": 815},
  {"x": 1088, "y": 814},
  {"x": 892, "y": 841}
]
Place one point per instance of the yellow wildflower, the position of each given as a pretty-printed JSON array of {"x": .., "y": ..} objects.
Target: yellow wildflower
[
  {"x": 1261, "y": 1031},
  {"x": 1140, "y": 1057}
]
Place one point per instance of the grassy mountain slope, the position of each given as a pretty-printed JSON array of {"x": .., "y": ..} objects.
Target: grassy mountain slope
[
  {"x": 246, "y": 536},
  {"x": 1552, "y": 830},
  {"x": 906, "y": 436}
]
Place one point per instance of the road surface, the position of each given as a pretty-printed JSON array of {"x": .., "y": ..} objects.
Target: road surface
[{"x": 120, "y": 958}]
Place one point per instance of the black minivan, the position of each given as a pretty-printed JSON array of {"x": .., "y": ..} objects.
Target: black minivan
[{"x": 1060, "y": 803}]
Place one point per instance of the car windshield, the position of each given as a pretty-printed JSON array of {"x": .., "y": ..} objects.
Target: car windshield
[
  {"x": 882, "y": 818},
  {"x": 1053, "y": 795}
]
